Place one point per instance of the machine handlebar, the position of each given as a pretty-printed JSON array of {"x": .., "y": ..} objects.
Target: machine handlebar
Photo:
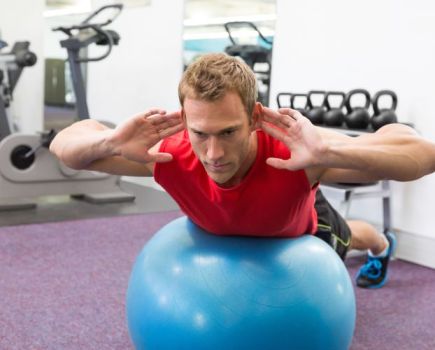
[
  {"x": 97, "y": 35},
  {"x": 86, "y": 23}
]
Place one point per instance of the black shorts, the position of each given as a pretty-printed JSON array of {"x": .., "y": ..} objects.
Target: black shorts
[{"x": 332, "y": 228}]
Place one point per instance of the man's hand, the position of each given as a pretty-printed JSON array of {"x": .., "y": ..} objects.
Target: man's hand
[
  {"x": 298, "y": 134},
  {"x": 134, "y": 138}
]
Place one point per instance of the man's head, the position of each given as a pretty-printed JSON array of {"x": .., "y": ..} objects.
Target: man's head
[
  {"x": 211, "y": 76},
  {"x": 218, "y": 94}
]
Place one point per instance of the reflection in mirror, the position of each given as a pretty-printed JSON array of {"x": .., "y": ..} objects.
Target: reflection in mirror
[
  {"x": 59, "y": 99},
  {"x": 74, "y": 39},
  {"x": 242, "y": 28}
]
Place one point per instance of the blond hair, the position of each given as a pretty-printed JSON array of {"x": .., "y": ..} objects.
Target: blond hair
[{"x": 211, "y": 76}]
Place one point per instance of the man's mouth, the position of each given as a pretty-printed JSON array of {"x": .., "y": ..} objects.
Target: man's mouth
[{"x": 217, "y": 168}]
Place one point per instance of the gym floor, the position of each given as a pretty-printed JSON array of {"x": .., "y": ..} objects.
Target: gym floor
[
  {"x": 63, "y": 286},
  {"x": 62, "y": 208},
  {"x": 66, "y": 264}
]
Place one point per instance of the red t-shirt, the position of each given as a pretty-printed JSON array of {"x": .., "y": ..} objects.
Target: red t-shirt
[{"x": 268, "y": 202}]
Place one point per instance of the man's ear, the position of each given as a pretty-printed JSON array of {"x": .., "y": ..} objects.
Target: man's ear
[
  {"x": 183, "y": 116},
  {"x": 257, "y": 115}
]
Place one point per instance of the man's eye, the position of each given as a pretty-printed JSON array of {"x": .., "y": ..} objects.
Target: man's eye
[
  {"x": 199, "y": 134},
  {"x": 228, "y": 133}
]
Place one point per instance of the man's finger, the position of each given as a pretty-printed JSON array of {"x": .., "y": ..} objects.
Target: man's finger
[
  {"x": 162, "y": 120},
  {"x": 153, "y": 111},
  {"x": 171, "y": 130},
  {"x": 280, "y": 119},
  {"x": 273, "y": 131},
  {"x": 176, "y": 114},
  {"x": 277, "y": 163},
  {"x": 160, "y": 157},
  {"x": 277, "y": 122},
  {"x": 292, "y": 113}
]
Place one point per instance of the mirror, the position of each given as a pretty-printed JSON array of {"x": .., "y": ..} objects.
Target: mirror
[
  {"x": 77, "y": 32},
  {"x": 242, "y": 28},
  {"x": 59, "y": 99}
]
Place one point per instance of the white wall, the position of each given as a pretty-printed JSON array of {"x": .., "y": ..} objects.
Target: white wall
[
  {"x": 144, "y": 70},
  {"x": 340, "y": 45},
  {"x": 52, "y": 48},
  {"x": 22, "y": 20}
]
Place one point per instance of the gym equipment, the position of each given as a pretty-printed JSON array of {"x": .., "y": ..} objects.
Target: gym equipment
[
  {"x": 288, "y": 100},
  {"x": 383, "y": 116},
  {"x": 81, "y": 36},
  {"x": 11, "y": 67},
  {"x": 315, "y": 112},
  {"x": 350, "y": 192},
  {"x": 256, "y": 56},
  {"x": 190, "y": 289},
  {"x": 28, "y": 168},
  {"x": 297, "y": 105},
  {"x": 357, "y": 117},
  {"x": 334, "y": 116},
  {"x": 283, "y": 99}
]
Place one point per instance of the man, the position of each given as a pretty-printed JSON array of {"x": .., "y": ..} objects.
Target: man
[{"x": 235, "y": 167}]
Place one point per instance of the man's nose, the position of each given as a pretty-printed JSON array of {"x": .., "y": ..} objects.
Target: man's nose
[{"x": 215, "y": 150}]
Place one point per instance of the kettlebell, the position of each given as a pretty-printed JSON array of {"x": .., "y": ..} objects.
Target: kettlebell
[
  {"x": 302, "y": 110},
  {"x": 357, "y": 117},
  {"x": 334, "y": 116},
  {"x": 281, "y": 97},
  {"x": 315, "y": 113},
  {"x": 384, "y": 116},
  {"x": 287, "y": 100}
]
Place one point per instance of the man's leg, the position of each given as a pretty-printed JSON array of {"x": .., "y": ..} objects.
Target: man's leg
[
  {"x": 343, "y": 235},
  {"x": 365, "y": 236},
  {"x": 373, "y": 274},
  {"x": 331, "y": 227}
]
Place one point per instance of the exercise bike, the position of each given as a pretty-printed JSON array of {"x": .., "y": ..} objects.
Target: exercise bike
[{"x": 28, "y": 169}]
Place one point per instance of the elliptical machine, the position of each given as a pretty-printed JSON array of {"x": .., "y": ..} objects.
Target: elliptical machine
[{"x": 28, "y": 169}]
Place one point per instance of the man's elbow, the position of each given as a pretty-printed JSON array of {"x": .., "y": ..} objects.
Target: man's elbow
[
  {"x": 58, "y": 149},
  {"x": 415, "y": 172},
  {"x": 397, "y": 128}
]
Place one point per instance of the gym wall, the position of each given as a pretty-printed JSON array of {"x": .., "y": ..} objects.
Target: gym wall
[
  {"x": 144, "y": 70},
  {"x": 23, "y": 21},
  {"x": 341, "y": 45}
]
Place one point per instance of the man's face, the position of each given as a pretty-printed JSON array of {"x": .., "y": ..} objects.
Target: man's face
[{"x": 220, "y": 134}]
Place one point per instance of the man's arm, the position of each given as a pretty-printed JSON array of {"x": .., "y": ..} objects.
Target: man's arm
[
  {"x": 394, "y": 152},
  {"x": 129, "y": 149}
]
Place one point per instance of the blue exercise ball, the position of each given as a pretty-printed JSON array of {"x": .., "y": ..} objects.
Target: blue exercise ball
[{"x": 193, "y": 290}]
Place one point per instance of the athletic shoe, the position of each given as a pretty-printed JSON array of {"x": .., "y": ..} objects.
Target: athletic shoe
[{"x": 373, "y": 274}]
